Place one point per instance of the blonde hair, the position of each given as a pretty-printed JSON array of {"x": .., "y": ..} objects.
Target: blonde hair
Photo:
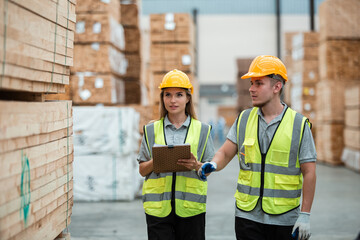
[{"x": 189, "y": 109}]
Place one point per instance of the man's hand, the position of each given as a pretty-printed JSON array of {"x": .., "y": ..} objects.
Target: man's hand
[
  {"x": 206, "y": 168},
  {"x": 303, "y": 223}
]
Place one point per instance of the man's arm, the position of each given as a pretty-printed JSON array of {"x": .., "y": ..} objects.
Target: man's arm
[
  {"x": 308, "y": 170},
  {"x": 225, "y": 154}
]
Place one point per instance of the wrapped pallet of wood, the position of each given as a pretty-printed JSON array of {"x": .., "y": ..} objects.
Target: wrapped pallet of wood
[
  {"x": 36, "y": 45},
  {"x": 36, "y": 155},
  {"x": 288, "y": 61},
  {"x": 101, "y": 69},
  {"x": 106, "y": 171},
  {"x": 172, "y": 46},
  {"x": 305, "y": 74},
  {"x": 339, "y": 55},
  {"x": 130, "y": 15},
  {"x": 351, "y": 152},
  {"x": 243, "y": 85}
]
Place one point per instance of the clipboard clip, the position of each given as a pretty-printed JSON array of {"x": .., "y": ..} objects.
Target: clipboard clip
[{"x": 170, "y": 146}]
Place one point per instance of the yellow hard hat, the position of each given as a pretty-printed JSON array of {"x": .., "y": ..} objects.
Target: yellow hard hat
[
  {"x": 265, "y": 65},
  {"x": 176, "y": 78}
]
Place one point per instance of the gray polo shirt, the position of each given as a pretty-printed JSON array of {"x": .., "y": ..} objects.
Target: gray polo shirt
[
  {"x": 307, "y": 153},
  {"x": 175, "y": 135}
]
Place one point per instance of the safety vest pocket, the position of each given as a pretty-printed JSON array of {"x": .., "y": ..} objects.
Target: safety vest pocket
[
  {"x": 249, "y": 150},
  {"x": 286, "y": 182},
  {"x": 154, "y": 185},
  {"x": 286, "y": 201},
  {"x": 195, "y": 186},
  {"x": 245, "y": 177},
  {"x": 279, "y": 158}
]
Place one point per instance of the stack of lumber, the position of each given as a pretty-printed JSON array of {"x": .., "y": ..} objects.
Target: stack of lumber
[
  {"x": 172, "y": 46},
  {"x": 288, "y": 61},
  {"x": 100, "y": 64},
  {"x": 229, "y": 113},
  {"x": 305, "y": 74},
  {"x": 243, "y": 85},
  {"x": 36, "y": 45},
  {"x": 351, "y": 153},
  {"x": 36, "y": 155},
  {"x": 130, "y": 17},
  {"x": 339, "y": 57},
  {"x": 36, "y": 149}
]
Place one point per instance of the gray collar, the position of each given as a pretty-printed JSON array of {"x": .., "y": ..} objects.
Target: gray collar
[
  {"x": 168, "y": 123},
  {"x": 277, "y": 118}
]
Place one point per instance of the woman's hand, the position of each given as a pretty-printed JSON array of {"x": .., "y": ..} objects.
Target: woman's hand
[{"x": 192, "y": 163}]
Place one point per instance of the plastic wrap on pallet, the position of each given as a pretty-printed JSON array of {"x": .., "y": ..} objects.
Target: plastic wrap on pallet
[
  {"x": 106, "y": 142},
  {"x": 106, "y": 177},
  {"x": 106, "y": 130}
]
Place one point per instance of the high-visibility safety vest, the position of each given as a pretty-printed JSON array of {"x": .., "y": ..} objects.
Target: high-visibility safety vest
[
  {"x": 186, "y": 188},
  {"x": 273, "y": 178}
]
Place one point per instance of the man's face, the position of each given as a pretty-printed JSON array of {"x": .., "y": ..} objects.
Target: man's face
[{"x": 262, "y": 91}]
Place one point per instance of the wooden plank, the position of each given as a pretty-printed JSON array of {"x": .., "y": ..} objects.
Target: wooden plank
[
  {"x": 99, "y": 58},
  {"x": 19, "y": 72},
  {"x": 339, "y": 19},
  {"x": 33, "y": 29},
  {"x": 132, "y": 40},
  {"x": 45, "y": 225},
  {"x": 10, "y": 163},
  {"x": 95, "y": 6},
  {"x": 329, "y": 142},
  {"x": 339, "y": 60},
  {"x": 9, "y": 83},
  {"x": 33, "y": 62},
  {"x": 36, "y": 118},
  {"x": 352, "y": 137},
  {"x": 130, "y": 15},
  {"x": 47, "y": 193},
  {"x": 14, "y": 223},
  {"x": 47, "y": 9},
  {"x": 38, "y": 177},
  {"x": 99, "y": 27},
  {"x": 23, "y": 49},
  {"x": 97, "y": 88}
]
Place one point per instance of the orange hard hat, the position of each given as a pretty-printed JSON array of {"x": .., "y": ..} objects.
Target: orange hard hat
[
  {"x": 176, "y": 78},
  {"x": 265, "y": 65}
]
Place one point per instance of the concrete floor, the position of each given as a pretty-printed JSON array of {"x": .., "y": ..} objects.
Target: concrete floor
[{"x": 335, "y": 213}]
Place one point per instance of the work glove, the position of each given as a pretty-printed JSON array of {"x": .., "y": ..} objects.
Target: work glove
[
  {"x": 206, "y": 168},
  {"x": 302, "y": 225}
]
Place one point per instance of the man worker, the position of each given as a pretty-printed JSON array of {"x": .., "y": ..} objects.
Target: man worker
[{"x": 277, "y": 156}]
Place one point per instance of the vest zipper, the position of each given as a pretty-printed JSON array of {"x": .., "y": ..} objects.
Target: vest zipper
[{"x": 262, "y": 180}]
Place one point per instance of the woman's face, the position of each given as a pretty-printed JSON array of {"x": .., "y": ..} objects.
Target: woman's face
[{"x": 175, "y": 100}]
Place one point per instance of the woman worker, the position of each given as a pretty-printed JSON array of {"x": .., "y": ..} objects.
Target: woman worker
[{"x": 175, "y": 202}]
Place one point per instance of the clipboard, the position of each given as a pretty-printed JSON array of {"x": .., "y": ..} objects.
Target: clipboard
[{"x": 165, "y": 157}]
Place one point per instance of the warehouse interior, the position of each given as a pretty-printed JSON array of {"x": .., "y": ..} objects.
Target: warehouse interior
[{"x": 80, "y": 79}]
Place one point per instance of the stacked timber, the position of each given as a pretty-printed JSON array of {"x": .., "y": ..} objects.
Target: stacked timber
[
  {"x": 243, "y": 85},
  {"x": 351, "y": 153},
  {"x": 130, "y": 10},
  {"x": 339, "y": 56},
  {"x": 36, "y": 45},
  {"x": 288, "y": 61},
  {"x": 305, "y": 74},
  {"x": 100, "y": 66},
  {"x": 36, "y": 149},
  {"x": 172, "y": 46}
]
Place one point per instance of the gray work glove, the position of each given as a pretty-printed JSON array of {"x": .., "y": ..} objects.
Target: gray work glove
[{"x": 303, "y": 226}]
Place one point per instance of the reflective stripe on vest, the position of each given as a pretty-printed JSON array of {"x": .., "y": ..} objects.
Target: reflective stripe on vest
[
  {"x": 274, "y": 177},
  {"x": 190, "y": 190}
]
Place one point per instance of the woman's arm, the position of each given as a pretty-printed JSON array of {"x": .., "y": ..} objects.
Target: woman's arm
[{"x": 145, "y": 168}]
